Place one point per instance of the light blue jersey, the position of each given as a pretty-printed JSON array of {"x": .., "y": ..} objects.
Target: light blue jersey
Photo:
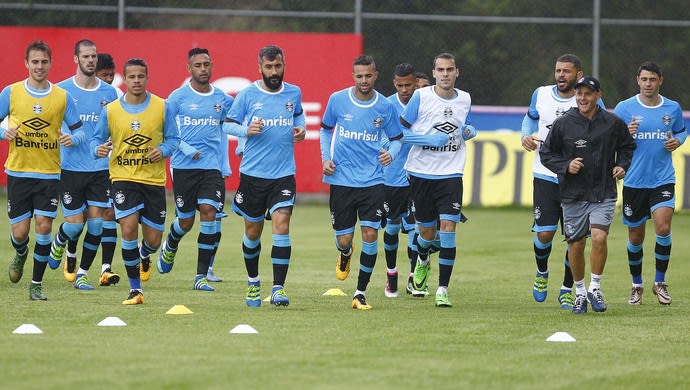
[
  {"x": 271, "y": 154},
  {"x": 200, "y": 119},
  {"x": 652, "y": 165},
  {"x": 89, "y": 104},
  {"x": 356, "y": 129},
  {"x": 394, "y": 174}
]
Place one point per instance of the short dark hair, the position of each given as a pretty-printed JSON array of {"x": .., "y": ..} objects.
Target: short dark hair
[
  {"x": 105, "y": 61},
  {"x": 650, "y": 66},
  {"x": 421, "y": 75},
  {"x": 135, "y": 62},
  {"x": 38, "y": 45},
  {"x": 83, "y": 42},
  {"x": 404, "y": 69},
  {"x": 270, "y": 52},
  {"x": 571, "y": 59},
  {"x": 364, "y": 60},
  {"x": 197, "y": 50},
  {"x": 445, "y": 56}
]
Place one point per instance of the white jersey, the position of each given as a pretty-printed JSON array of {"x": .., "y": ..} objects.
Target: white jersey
[
  {"x": 427, "y": 112},
  {"x": 546, "y": 106}
]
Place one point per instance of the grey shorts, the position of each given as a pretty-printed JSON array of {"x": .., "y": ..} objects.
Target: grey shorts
[{"x": 580, "y": 217}]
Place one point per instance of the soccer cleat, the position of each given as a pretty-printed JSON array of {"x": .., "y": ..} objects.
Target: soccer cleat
[
  {"x": 145, "y": 268},
  {"x": 421, "y": 276},
  {"x": 580, "y": 304},
  {"x": 69, "y": 270},
  {"x": 442, "y": 299},
  {"x": 596, "y": 298},
  {"x": 539, "y": 290},
  {"x": 391, "y": 290},
  {"x": 166, "y": 260},
  {"x": 108, "y": 278},
  {"x": 56, "y": 253},
  {"x": 415, "y": 293},
  {"x": 253, "y": 298},
  {"x": 211, "y": 276},
  {"x": 636, "y": 296},
  {"x": 661, "y": 293},
  {"x": 565, "y": 299},
  {"x": 359, "y": 302},
  {"x": 16, "y": 269},
  {"x": 81, "y": 283},
  {"x": 36, "y": 292},
  {"x": 279, "y": 296},
  {"x": 135, "y": 297},
  {"x": 201, "y": 284},
  {"x": 343, "y": 270}
]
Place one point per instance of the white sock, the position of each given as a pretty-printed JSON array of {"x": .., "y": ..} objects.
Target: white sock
[
  {"x": 442, "y": 290},
  {"x": 594, "y": 282},
  {"x": 254, "y": 280},
  {"x": 580, "y": 287}
]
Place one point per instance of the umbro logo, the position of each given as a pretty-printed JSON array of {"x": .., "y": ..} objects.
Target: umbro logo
[
  {"x": 193, "y": 107},
  {"x": 257, "y": 106},
  {"x": 36, "y": 124},
  {"x": 286, "y": 192},
  {"x": 137, "y": 140},
  {"x": 581, "y": 143},
  {"x": 666, "y": 194},
  {"x": 446, "y": 127}
]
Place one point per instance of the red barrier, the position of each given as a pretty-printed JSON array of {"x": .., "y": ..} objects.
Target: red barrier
[{"x": 318, "y": 63}]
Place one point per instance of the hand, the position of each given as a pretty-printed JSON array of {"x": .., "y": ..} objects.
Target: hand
[
  {"x": 104, "y": 149},
  {"x": 575, "y": 165},
  {"x": 154, "y": 155},
  {"x": 633, "y": 126},
  {"x": 529, "y": 142},
  {"x": 328, "y": 167},
  {"x": 66, "y": 140},
  {"x": 385, "y": 158},
  {"x": 671, "y": 143},
  {"x": 255, "y": 127},
  {"x": 196, "y": 156},
  {"x": 618, "y": 172},
  {"x": 300, "y": 133},
  {"x": 11, "y": 133}
]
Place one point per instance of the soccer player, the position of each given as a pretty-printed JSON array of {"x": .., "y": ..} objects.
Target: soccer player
[
  {"x": 142, "y": 132},
  {"x": 352, "y": 127},
  {"x": 36, "y": 110},
  {"x": 105, "y": 69},
  {"x": 196, "y": 165},
  {"x": 397, "y": 190},
  {"x": 548, "y": 103},
  {"x": 269, "y": 113},
  {"x": 589, "y": 149},
  {"x": 84, "y": 182},
  {"x": 656, "y": 123},
  {"x": 422, "y": 80},
  {"x": 435, "y": 173}
]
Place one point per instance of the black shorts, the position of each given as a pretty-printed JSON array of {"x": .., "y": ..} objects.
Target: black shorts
[
  {"x": 436, "y": 199},
  {"x": 258, "y": 198},
  {"x": 349, "y": 203},
  {"x": 639, "y": 203},
  {"x": 81, "y": 189},
  {"x": 547, "y": 206},
  {"x": 27, "y": 196},
  {"x": 148, "y": 200},
  {"x": 193, "y": 187},
  {"x": 398, "y": 205}
]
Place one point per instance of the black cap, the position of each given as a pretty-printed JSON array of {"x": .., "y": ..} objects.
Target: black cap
[{"x": 589, "y": 81}]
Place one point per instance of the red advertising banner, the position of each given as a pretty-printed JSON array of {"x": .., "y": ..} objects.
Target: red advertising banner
[{"x": 318, "y": 63}]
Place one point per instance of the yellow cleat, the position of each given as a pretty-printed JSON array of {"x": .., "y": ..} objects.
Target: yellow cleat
[
  {"x": 136, "y": 297},
  {"x": 341, "y": 273},
  {"x": 108, "y": 278},
  {"x": 359, "y": 302},
  {"x": 70, "y": 277},
  {"x": 145, "y": 269}
]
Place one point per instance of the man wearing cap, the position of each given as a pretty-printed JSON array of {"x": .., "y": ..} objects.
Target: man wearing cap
[{"x": 589, "y": 149}]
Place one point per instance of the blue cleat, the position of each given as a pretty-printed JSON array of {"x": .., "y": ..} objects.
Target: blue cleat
[
  {"x": 56, "y": 253},
  {"x": 253, "y": 294},
  {"x": 166, "y": 260},
  {"x": 565, "y": 299},
  {"x": 596, "y": 298},
  {"x": 201, "y": 284},
  {"x": 82, "y": 283},
  {"x": 539, "y": 290},
  {"x": 580, "y": 305},
  {"x": 279, "y": 296}
]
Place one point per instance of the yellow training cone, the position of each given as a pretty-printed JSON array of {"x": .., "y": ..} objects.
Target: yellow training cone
[
  {"x": 179, "y": 309},
  {"x": 335, "y": 292}
]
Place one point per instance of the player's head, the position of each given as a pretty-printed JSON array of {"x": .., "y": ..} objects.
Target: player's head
[
  {"x": 85, "y": 57},
  {"x": 422, "y": 79},
  {"x": 136, "y": 76},
  {"x": 567, "y": 71},
  {"x": 364, "y": 73},
  {"x": 404, "y": 81},
  {"x": 445, "y": 71},
  {"x": 272, "y": 66},
  {"x": 38, "y": 58},
  {"x": 649, "y": 79},
  {"x": 199, "y": 65},
  {"x": 105, "y": 68},
  {"x": 587, "y": 93}
]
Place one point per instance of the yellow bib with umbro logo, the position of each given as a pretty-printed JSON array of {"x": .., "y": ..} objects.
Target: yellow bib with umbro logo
[
  {"x": 36, "y": 148},
  {"x": 133, "y": 137}
]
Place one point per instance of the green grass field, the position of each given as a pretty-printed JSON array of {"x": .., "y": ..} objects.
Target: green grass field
[{"x": 494, "y": 336}]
